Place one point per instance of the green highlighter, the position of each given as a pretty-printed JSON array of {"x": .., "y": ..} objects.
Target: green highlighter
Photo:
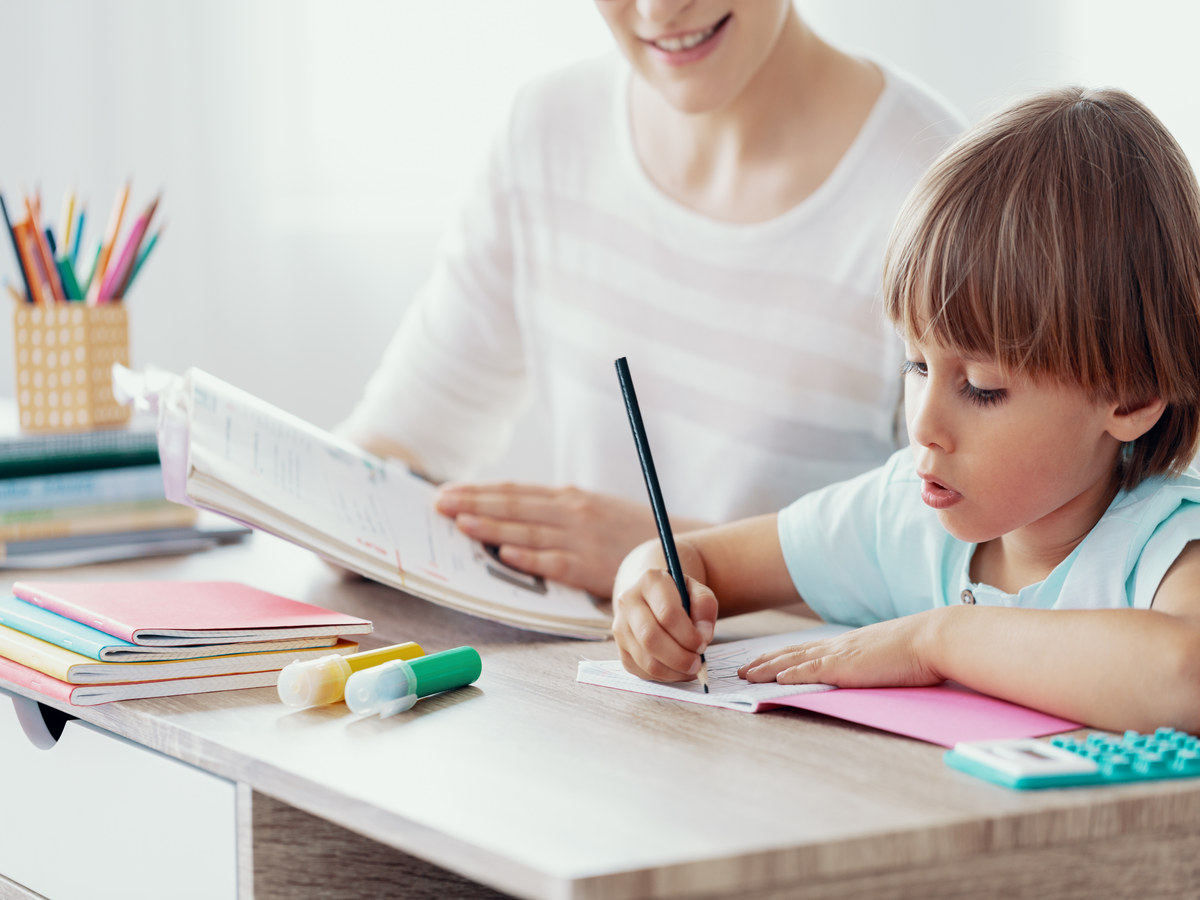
[{"x": 396, "y": 685}]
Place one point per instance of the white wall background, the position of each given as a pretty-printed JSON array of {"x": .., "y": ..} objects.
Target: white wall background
[{"x": 311, "y": 151}]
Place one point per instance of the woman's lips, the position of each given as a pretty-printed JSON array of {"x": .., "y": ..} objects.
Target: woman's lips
[
  {"x": 680, "y": 50},
  {"x": 937, "y": 495}
]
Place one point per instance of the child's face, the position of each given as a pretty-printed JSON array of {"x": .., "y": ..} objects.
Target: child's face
[
  {"x": 997, "y": 453},
  {"x": 700, "y": 54}
]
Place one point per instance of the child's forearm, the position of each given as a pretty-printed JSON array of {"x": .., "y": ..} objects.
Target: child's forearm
[{"x": 1113, "y": 669}]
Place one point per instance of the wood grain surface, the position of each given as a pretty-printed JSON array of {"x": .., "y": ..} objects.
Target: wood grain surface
[
  {"x": 540, "y": 787},
  {"x": 10, "y": 890},
  {"x": 298, "y": 856}
]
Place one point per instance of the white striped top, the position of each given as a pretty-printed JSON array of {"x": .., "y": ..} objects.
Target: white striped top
[{"x": 762, "y": 361}]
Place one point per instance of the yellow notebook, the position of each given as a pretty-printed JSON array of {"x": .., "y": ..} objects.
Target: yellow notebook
[{"x": 74, "y": 668}]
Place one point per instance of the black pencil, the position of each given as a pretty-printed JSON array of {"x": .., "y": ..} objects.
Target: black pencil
[
  {"x": 17, "y": 250},
  {"x": 656, "y": 498}
]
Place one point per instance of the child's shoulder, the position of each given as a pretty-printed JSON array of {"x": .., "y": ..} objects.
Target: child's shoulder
[
  {"x": 1135, "y": 542},
  {"x": 1156, "y": 500}
]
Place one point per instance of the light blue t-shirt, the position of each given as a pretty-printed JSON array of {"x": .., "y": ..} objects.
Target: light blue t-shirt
[{"x": 869, "y": 549}]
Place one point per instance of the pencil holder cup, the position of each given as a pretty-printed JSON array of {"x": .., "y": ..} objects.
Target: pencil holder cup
[{"x": 64, "y": 359}]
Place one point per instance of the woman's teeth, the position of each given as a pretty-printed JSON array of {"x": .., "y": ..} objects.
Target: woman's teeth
[{"x": 687, "y": 41}]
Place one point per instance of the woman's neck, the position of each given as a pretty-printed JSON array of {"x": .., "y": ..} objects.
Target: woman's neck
[{"x": 773, "y": 145}]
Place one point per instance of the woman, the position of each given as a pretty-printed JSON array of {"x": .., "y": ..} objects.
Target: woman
[{"x": 712, "y": 204}]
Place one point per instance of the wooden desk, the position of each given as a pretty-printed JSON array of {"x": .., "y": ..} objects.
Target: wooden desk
[{"x": 540, "y": 787}]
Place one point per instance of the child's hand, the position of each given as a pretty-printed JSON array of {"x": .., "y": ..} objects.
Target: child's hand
[
  {"x": 887, "y": 654},
  {"x": 656, "y": 638}
]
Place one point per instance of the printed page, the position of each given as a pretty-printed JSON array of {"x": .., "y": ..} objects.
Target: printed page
[
  {"x": 726, "y": 689},
  {"x": 355, "y": 499}
]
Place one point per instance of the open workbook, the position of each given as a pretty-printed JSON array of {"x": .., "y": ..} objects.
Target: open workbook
[{"x": 227, "y": 451}]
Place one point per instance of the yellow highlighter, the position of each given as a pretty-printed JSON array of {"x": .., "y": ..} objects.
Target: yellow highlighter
[{"x": 318, "y": 681}]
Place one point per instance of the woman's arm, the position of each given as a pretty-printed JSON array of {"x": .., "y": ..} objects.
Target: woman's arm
[
  {"x": 741, "y": 564},
  {"x": 1114, "y": 669}
]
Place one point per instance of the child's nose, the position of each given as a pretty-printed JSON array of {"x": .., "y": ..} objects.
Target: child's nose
[{"x": 929, "y": 422}]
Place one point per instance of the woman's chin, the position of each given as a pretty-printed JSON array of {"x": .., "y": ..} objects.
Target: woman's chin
[{"x": 691, "y": 93}]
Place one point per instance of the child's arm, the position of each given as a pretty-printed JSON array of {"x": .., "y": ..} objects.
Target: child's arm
[
  {"x": 741, "y": 563},
  {"x": 1115, "y": 669}
]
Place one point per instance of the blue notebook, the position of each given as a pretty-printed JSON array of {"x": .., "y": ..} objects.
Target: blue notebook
[
  {"x": 87, "y": 641},
  {"x": 136, "y": 483}
]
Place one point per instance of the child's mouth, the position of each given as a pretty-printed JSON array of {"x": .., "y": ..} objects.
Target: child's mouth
[{"x": 937, "y": 495}]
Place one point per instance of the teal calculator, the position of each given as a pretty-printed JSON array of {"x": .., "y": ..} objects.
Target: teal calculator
[{"x": 1067, "y": 762}]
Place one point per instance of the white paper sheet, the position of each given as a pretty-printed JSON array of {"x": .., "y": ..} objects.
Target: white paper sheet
[{"x": 726, "y": 689}]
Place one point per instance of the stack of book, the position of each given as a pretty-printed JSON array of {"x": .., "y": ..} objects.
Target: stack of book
[
  {"x": 94, "y": 496},
  {"x": 86, "y": 643}
]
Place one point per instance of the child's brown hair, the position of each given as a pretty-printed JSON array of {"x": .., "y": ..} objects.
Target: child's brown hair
[{"x": 1061, "y": 237}]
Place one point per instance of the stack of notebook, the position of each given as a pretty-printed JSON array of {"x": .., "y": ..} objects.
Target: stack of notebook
[
  {"x": 86, "y": 643},
  {"x": 85, "y": 497}
]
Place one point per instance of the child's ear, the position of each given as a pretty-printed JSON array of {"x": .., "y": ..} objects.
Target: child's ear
[{"x": 1130, "y": 424}]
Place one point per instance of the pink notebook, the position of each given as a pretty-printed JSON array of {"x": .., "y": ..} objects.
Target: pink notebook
[
  {"x": 186, "y": 613},
  {"x": 944, "y": 714},
  {"x": 95, "y": 694}
]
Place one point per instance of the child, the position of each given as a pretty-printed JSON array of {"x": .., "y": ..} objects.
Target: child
[{"x": 1038, "y": 540}]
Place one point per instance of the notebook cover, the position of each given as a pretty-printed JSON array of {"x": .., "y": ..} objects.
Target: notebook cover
[
  {"x": 72, "y": 489},
  {"x": 48, "y": 626},
  {"x": 95, "y": 694},
  {"x": 944, "y": 714},
  {"x": 33, "y": 680},
  {"x": 233, "y": 611},
  {"x": 87, "y": 641},
  {"x": 73, "y": 668}
]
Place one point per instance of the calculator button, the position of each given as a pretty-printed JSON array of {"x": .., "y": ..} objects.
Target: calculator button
[
  {"x": 1151, "y": 764},
  {"x": 967, "y": 597},
  {"x": 1187, "y": 762},
  {"x": 1118, "y": 765}
]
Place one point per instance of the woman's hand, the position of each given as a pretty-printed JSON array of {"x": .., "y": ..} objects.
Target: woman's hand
[
  {"x": 657, "y": 639},
  {"x": 887, "y": 654},
  {"x": 576, "y": 537}
]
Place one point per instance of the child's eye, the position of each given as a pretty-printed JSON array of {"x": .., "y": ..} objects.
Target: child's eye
[
  {"x": 983, "y": 397},
  {"x": 914, "y": 368}
]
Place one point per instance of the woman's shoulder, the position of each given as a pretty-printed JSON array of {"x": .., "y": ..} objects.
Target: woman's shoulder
[
  {"x": 912, "y": 124},
  {"x": 906, "y": 130},
  {"x": 919, "y": 106},
  {"x": 572, "y": 102}
]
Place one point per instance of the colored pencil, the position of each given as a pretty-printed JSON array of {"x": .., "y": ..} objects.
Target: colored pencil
[
  {"x": 42, "y": 248},
  {"x": 118, "y": 273},
  {"x": 656, "y": 498},
  {"x": 16, "y": 249},
  {"x": 78, "y": 236},
  {"x": 137, "y": 267},
  {"x": 94, "y": 254},
  {"x": 109, "y": 242},
  {"x": 68, "y": 219}
]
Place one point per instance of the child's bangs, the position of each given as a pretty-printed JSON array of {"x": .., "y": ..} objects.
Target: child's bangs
[{"x": 933, "y": 293}]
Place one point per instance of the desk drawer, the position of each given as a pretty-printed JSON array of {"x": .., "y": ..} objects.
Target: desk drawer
[{"x": 97, "y": 816}]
